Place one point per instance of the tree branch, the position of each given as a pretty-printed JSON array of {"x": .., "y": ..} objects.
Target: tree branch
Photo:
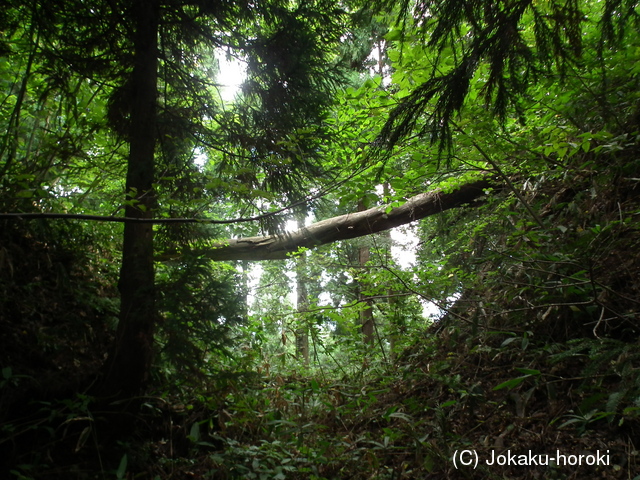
[
  {"x": 274, "y": 247},
  {"x": 343, "y": 227}
]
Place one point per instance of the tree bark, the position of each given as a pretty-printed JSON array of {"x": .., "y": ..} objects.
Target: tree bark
[
  {"x": 129, "y": 361},
  {"x": 367, "y": 322},
  {"x": 352, "y": 225},
  {"x": 302, "y": 332}
]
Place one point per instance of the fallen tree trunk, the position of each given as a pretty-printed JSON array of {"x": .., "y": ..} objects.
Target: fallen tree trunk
[
  {"x": 277, "y": 247},
  {"x": 343, "y": 227}
]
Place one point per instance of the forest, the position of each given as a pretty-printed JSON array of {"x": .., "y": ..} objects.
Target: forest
[{"x": 317, "y": 240}]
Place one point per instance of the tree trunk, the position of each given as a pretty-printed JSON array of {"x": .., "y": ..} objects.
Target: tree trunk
[
  {"x": 352, "y": 225},
  {"x": 129, "y": 361},
  {"x": 367, "y": 321},
  {"x": 366, "y": 314},
  {"x": 302, "y": 332},
  {"x": 245, "y": 288},
  {"x": 391, "y": 316}
]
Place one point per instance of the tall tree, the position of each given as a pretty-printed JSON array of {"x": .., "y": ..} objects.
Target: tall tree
[
  {"x": 130, "y": 360},
  {"x": 367, "y": 320},
  {"x": 153, "y": 59},
  {"x": 302, "y": 332},
  {"x": 280, "y": 79}
]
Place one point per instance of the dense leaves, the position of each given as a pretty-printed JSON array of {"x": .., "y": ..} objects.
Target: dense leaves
[{"x": 506, "y": 47}]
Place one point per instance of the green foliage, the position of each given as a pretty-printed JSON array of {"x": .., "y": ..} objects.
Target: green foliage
[
  {"x": 504, "y": 46},
  {"x": 532, "y": 290},
  {"x": 200, "y": 311}
]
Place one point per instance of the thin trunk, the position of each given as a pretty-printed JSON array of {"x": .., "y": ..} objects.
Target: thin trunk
[
  {"x": 245, "y": 287},
  {"x": 130, "y": 360},
  {"x": 366, "y": 314},
  {"x": 391, "y": 316},
  {"x": 302, "y": 332},
  {"x": 12, "y": 135}
]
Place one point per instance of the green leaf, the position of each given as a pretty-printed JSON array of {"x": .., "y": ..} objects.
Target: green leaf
[
  {"x": 194, "y": 433},
  {"x": 122, "y": 468},
  {"x": 571, "y": 421},
  {"x": 403, "y": 416},
  {"x": 394, "y": 35},
  {"x": 24, "y": 194},
  {"x": 514, "y": 382},
  {"x": 614, "y": 401},
  {"x": 508, "y": 341}
]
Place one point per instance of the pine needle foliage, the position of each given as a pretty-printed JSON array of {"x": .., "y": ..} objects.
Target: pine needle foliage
[{"x": 513, "y": 45}]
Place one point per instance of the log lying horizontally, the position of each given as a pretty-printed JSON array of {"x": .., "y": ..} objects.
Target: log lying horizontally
[
  {"x": 274, "y": 247},
  {"x": 351, "y": 225}
]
